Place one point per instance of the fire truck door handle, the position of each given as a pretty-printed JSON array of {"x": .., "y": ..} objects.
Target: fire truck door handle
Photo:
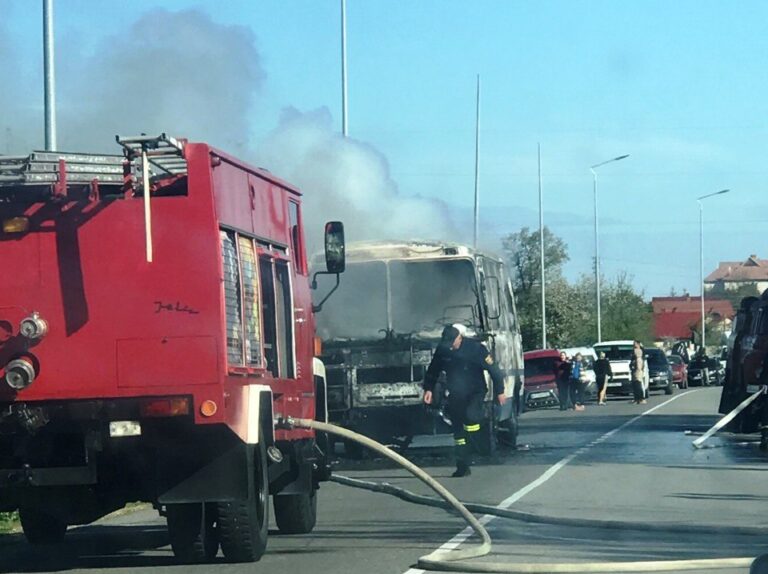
[{"x": 252, "y": 196}]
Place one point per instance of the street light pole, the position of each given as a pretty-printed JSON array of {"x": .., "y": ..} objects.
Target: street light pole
[
  {"x": 49, "y": 78},
  {"x": 597, "y": 242},
  {"x": 541, "y": 254},
  {"x": 701, "y": 262},
  {"x": 344, "y": 119}
]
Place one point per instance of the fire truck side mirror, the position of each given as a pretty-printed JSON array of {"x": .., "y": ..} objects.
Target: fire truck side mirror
[{"x": 335, "y": 250}]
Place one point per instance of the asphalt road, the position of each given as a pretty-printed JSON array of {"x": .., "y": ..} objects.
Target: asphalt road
[{"x": 622, "y": 462}]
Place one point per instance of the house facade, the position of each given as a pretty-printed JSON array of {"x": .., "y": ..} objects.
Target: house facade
[{"x": 733, "y": 275}]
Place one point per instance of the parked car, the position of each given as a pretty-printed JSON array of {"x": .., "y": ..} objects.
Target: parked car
[
  {"x": 659, "y": 371},
  {"x": 588, "y": 373},
  {"x": 698, "y": 371},
  {"x": 540, "y": 382},
  {"x": 679, "y": 371}
]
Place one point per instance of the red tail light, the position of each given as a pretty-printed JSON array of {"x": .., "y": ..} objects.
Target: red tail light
[{"x": 168, "y": 407}]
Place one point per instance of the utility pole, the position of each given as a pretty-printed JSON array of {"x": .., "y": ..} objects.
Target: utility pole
[
  {"x": 344, "y": 119},
  {"x": 49, "y": 77},
  {"x": 701, "y": 262},
  {"x": 541, "y": 252},
  {"x": 597, "y": 243},
  {"x": 477, "y": 162}
]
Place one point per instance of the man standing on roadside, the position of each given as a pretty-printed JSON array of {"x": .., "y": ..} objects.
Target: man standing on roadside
[{"x": 464, "y": 361}]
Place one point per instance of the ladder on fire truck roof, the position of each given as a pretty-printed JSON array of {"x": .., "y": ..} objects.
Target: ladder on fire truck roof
[
  {"x": 163, "y": 152},
  {"x": 48, "y": 174},
  {"x": 46, "y": 168}
]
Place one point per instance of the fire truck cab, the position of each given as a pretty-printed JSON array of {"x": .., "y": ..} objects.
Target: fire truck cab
[{"x": 155, "y": 327}]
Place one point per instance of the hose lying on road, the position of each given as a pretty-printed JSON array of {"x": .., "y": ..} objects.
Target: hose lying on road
[
  {"x": 455, "y": 560},
  {"x": 409, "y": 496},
  {"x": 699, "y": 442}
]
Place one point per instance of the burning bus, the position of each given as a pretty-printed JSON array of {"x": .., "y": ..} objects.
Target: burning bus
[{"x": 380, "y": 331}]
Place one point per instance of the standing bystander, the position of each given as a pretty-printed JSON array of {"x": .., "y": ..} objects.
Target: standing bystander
[
  {"x": 602, "y": 373},
  {"x": 562, "y": 377}
]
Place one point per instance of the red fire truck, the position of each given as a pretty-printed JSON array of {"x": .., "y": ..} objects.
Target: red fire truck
[{"x": 155, "y": 326}]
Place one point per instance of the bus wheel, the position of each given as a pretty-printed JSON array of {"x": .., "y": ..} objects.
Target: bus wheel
[
  {"x": 296, "y": 513},
  {"x": 193, "y": 533},
  {"x": 243, "y": 524}
]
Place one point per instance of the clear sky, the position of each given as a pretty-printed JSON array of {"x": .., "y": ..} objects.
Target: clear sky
[{"x": 680, "y": 86}]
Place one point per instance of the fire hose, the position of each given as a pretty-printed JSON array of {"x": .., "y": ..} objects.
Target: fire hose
[{"x": 457, "y": 560}]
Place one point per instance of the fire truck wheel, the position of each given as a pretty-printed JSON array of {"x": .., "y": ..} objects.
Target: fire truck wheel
[
  {"x": 193, "y": 533},
  {"x": 243, "y": 524},
  {"x": 40, "y": 527},
  {"x": 296, "y": 513}
]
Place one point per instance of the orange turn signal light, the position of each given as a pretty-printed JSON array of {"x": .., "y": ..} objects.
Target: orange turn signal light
[
  {"x": 208, "y": 408},
  {"x": 318, "y": 346}
]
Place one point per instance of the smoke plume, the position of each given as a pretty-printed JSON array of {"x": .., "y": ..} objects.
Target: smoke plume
[
  {"x": 174, "y": 72},
  {"x": 184, "y": 74},
  {"x": 348, "y": 180}
]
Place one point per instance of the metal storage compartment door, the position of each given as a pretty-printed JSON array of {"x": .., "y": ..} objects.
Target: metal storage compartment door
[{"x": 165, "y": 361}]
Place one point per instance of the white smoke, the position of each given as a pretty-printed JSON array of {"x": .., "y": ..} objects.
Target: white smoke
[
  {"x": 348, "y": 180},
  {"x": 174, "y": 72},
  {"x": 184, "y": 74}
]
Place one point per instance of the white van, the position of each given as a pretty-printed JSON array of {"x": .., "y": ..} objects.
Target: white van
[{"x": 619, "y": 353}]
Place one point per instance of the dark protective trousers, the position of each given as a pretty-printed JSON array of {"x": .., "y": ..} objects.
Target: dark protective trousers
[
  {"x": 564, "y": 394},
  {"x": 466, "y": 414}
]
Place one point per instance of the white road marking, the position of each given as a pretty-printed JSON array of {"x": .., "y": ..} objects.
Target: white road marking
[{"x": 462, "y": 536}]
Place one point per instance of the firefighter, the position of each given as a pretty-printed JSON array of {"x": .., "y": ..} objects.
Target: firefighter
[{"x": 464, "y": 361}]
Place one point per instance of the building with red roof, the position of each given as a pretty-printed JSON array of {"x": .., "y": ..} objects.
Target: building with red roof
[
  {"x": 731, "y": 275},
  {"x": 680, "y": 317}
]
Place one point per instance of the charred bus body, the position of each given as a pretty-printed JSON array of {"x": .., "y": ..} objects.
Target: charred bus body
[
  {"x": 156, "y": 328},
  {"x": 380, "y": 332}
]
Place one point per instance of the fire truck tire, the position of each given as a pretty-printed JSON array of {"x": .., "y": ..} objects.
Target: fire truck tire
[
  {"x": 40, "y": 527},
  {"x": 296, "y": 513},
  {"x": 243, "y": 524},
  {"x": 193, "y": 533}
]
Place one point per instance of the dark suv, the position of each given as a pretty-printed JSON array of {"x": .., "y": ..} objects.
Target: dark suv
[{"x": 659, "y": 371}]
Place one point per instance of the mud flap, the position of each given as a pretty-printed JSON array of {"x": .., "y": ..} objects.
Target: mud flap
[{"x": 222, "y": 479}]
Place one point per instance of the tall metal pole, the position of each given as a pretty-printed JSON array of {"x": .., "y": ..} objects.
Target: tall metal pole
[
  {"x": 701, "y": 273},
  {"x": 344, "y": 119},
  {"x": 597, "y": 260},
  {"x": 597, "y": 243},
  {"x": 701, "y": 261},
  {"x": 541, "y": 252},
  {"x": 49, "y": 77},
  {"x": 477, "y": 162}
]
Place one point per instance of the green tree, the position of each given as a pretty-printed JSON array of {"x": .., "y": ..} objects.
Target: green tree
[{"x": 523, "y": 255}]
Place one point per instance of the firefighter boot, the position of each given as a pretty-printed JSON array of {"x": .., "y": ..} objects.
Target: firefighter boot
[{"x": 463, "y": 462}]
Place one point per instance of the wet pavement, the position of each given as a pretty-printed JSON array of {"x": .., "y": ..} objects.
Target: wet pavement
[{"x": 604, "y": 464}]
